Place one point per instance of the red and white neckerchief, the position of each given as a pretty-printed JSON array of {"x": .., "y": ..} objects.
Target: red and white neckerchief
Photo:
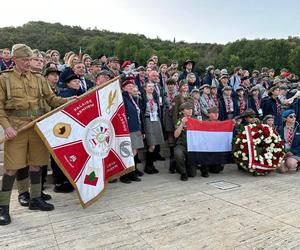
[
  {"x": 228, "y": 105},
  {"x": 11, "y": 65},
  {"x": 290, "y": 135},
  {"x": 216, "y": 101},
  {"x": 242, "y": 105},
  {"x": 278, "y": 106},
  {"x": 151, "y": 103},
  {"x": 197, "y": 108},
  {"x": 257, "y": 103},
  {"x": 142, "y": 81},
  {"x": 207, "y": 100},
  {"x": 135, "y": 104},
  {"x": 171, "y": 97}
]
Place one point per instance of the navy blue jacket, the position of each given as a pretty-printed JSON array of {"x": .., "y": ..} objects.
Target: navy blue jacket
[
  {"x": 132, "y": 114},
  {"x": 295, "y": 147},
  {"x": 208, "y": 78},
  {"x": 269, "y": 107},
  {"x": 222, "y": 108},
  {"x": 183, "y": 75},
  {"x": 252, "y": 105}
]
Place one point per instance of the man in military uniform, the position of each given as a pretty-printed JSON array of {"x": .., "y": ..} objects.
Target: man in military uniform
[
  {"x": 180, "y": 151},
  {"x": 23, "y": 97}
]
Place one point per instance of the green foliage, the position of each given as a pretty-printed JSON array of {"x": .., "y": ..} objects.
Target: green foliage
[{"x": 250, "y": 54}]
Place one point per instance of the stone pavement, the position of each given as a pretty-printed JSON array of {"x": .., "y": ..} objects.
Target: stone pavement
[{"x": 162, "y": 212}]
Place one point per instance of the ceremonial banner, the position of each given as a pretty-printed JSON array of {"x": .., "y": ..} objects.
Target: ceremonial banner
[
  {"x": 209, "y": 142},
  {"x": 89, "y": 139}
]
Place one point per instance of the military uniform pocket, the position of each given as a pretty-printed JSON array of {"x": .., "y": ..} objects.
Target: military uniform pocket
[{"x": 17, "y": 91}]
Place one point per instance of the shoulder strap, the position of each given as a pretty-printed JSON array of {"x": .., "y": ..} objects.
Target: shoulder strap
[{"x": 7, "y": 85}]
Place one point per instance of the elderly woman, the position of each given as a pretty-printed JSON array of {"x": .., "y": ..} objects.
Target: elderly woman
[
  {"x": 152, "y": 124},
  {"x": 134, "y": 119},
  {"x": 290, "y": 133}
]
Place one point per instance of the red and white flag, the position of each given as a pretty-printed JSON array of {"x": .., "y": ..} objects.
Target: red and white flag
[
  {"x": 89, "y": 139},
  {"x": 209, "y": 142}
]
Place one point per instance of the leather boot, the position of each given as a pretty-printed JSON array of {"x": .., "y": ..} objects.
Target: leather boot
[
  {"x": 24, "y": 199},
  {"x": 39, "y": 204},
  {"x": 149, "y": 167},
  {"x": 204, "y": 171},
  {"x": 4, "y": 215}
]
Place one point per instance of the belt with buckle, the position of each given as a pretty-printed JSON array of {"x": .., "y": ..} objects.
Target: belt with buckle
[{"x": 27, "y": 113}]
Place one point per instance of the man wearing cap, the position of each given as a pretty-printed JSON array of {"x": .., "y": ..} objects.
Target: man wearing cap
[
  {"x": 23, "y": 97},
  {"x": 206, "y": 101},
  {"x": 114, "y": 66},
  {"x": 94, "y": 71},
  {"x": 173, "y": 67},
  {"x": 271, "y": 105},
  {"x": 180, "y": 151},
  {"x": 228, "y": 105},
  {"x": 188, "y": 67},
  {"x": 290, "y": 133},
  {"x": 102, "y": 77},
  {"x": 209, "y": 75}
]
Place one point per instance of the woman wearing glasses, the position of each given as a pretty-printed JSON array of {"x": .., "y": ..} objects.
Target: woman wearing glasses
[{"x": 290, "y": 133}]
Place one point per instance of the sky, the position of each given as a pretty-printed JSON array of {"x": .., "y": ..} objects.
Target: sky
[{"x": 212, "y": 21}]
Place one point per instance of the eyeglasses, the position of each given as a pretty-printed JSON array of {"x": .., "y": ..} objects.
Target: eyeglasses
[{"x": 292, "y": 116}]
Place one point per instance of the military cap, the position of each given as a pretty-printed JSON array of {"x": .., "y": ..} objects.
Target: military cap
[
  {"x": 277, "y": 80},
  {"x": 273, "y": 88},
  {"x": 128, "y": 80},
  {"x": 195, "y": 90},
  {"x": 113, "y": 59},
  {"x": 213, "y": 110},
  {"x": 21, "y": 50},
  {"x": 210, "y": 67},
  {"x": 240, "y": 88},
  {"x": 217, "y": 72},
  {"x": 50, "y": 70},
  {"x": 267, "y": 117},
  {"x": 205, "y": 86},
  {"x": 71, "y": 77},
  {"x": 224, "y": 72},
  {"x": 288, "y": 112},
  {"x": 36, "y": 53},
  {"x": 186, "y": 105},
  {"x": 223, "y": 76},
  {"x": 183, "y": 82},
  {"x": 254, "y": 89},
  {"x": 174, "y": 62},
  {"x": 248, "y": 112},
  {"x": 226, "y": 88},
  {"x": 104, "y": 73},
  {"x": 95, "y": 62}
]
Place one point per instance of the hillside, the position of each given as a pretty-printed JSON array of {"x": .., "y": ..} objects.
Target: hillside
[{"x": 251, "y": 54}]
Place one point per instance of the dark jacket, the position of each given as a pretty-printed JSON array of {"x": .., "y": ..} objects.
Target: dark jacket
[
  {"x": 222, "y": 108},
  {"x": 68, "y": 92},
  {"x": 208, "y": 78},
  {"x": 63, "y": 76},
  {"x": 269, "y": 107},
  {"x": 145, "y": 100},
  {"x": 295, "y": 147},
  {"x": 131, "y": 114},
  {"x": 252, "y": 105},
  {"x": 139, "y": 84},
  {"x": 184, "y": 74}
]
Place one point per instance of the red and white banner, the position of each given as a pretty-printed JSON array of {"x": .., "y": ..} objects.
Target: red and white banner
[{"x": 89, "y": 139}]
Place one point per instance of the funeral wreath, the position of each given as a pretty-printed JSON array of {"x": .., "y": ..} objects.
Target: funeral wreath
[{"x": 258, "y": 148}]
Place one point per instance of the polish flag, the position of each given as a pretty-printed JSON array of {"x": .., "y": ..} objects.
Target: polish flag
[{"x": 209, "y": 142}]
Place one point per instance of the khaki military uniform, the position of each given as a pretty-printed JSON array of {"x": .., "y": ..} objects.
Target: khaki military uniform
[{"x": 23, "y": 98}]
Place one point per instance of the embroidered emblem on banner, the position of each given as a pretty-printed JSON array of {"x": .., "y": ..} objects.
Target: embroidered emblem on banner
[{"x": 62, "y": 130}]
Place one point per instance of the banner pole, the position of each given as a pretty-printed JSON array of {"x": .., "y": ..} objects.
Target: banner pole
[{"x": 32, "y": 123}]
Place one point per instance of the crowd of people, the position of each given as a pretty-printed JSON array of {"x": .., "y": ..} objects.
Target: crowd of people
[{"x": 158, "y": 98}]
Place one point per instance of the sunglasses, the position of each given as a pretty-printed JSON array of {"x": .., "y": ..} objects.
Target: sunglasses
[{"x": 292, "y": 116}]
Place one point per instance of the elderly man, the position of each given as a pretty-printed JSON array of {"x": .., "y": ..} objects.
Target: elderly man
[{"x": 24, "y": 95}]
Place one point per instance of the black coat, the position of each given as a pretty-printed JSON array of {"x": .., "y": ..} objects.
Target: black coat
[
  {"x": 222, "y": 108},
  {"x": 269, "y": 107},
  {"x": 131, "y": 113}
]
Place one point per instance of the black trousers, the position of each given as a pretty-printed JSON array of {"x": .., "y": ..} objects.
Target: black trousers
[{"x": 58, "y": 175}]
